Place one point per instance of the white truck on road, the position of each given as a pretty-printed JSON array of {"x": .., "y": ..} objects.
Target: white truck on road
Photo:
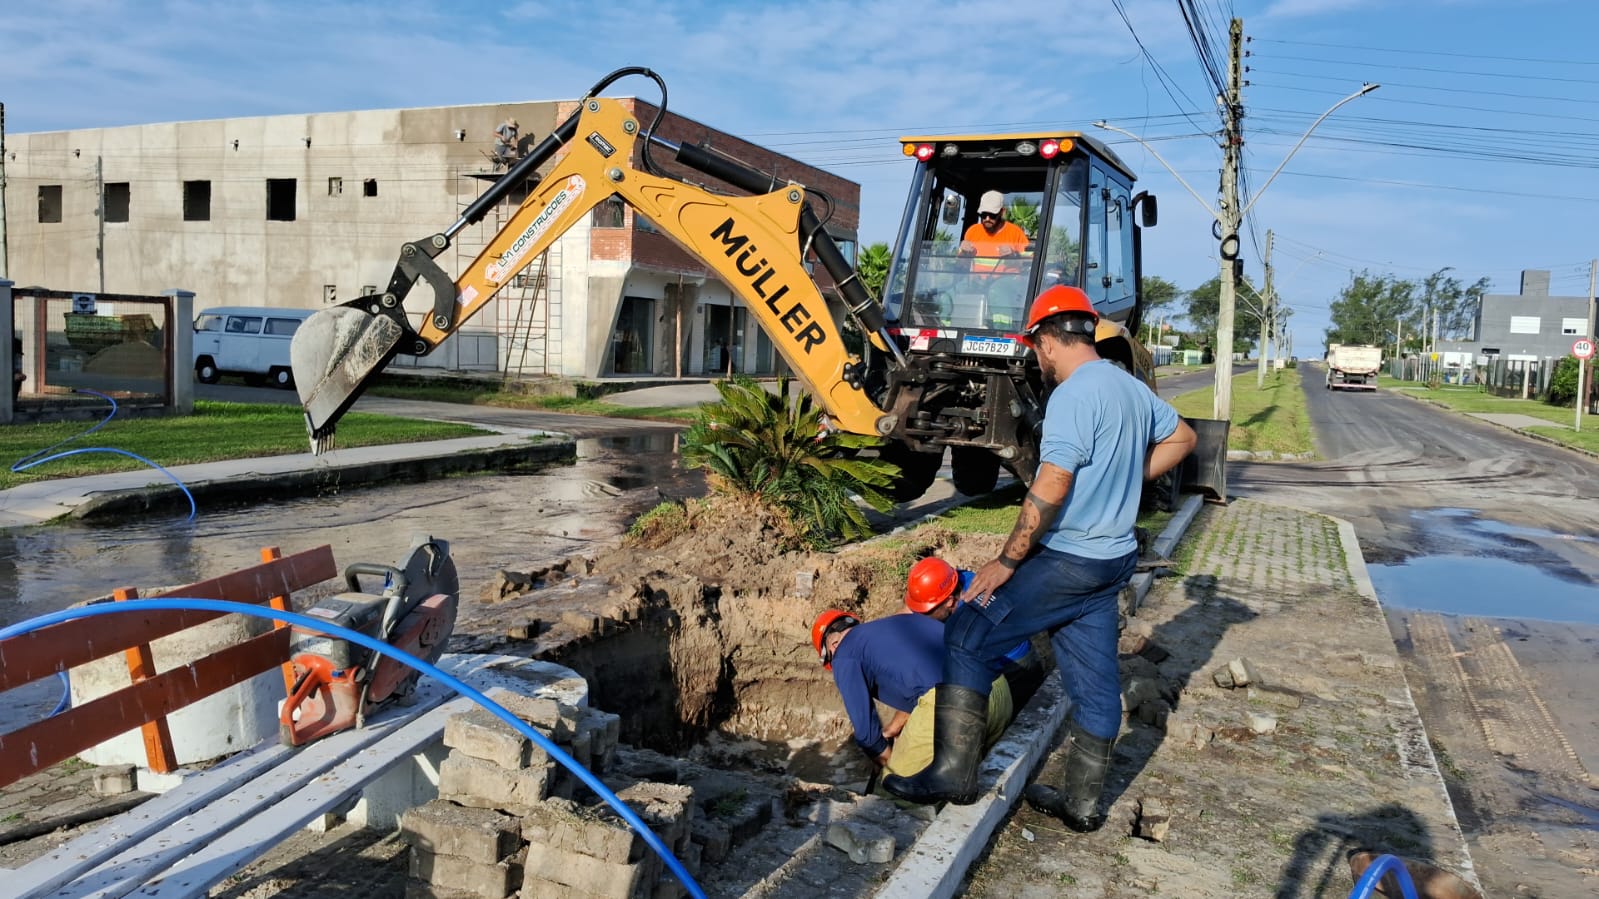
[{"x": 1353, "y": 366}]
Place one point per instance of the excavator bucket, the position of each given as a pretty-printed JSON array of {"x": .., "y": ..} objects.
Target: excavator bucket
[{"x": 334, "y": 353}]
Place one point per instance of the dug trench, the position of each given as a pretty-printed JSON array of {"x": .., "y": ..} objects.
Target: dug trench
[{"x": 700, "y": 643}]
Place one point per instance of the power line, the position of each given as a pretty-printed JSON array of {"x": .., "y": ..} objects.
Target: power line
[
  {"x": 1414, "y": 52},
  {"x": 1394, "y": 65}
]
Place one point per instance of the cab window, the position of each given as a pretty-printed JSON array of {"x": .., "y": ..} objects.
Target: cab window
[{"x": 1063, "y": 251}]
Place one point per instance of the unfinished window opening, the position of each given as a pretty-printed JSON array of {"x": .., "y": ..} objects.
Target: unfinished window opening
[
  {"x": 49, "y": 203},
  {"x": 369, "y": 187},
  {"x": 330, "y": 293},
  {"x": 116, "y": 201},
  {"x": 335, "y": 186},
  {"x": 610, "y": 213},
  {"x": 280, "y": 199},
  {"x": 197, "y": 201}
]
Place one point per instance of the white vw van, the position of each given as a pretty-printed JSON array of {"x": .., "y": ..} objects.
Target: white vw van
[{"x": 252, "y": 341}]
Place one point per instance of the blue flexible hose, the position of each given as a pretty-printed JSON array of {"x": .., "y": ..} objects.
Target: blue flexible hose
[
  {"x": 32, "y": 459},
  {"x": 66, "y": 695},
  {"x": 1385, "y": 864},
  {"x": 167, "y": 603}
]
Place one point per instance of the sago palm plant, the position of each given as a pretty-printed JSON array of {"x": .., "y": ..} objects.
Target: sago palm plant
[{"x": 777, "y": 449}]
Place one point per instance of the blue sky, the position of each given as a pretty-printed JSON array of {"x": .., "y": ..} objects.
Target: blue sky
[{"x": 1478, "y": 152}]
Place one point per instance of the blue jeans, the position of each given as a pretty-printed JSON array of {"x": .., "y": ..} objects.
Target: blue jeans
[{"x": 1071, "y": 597}]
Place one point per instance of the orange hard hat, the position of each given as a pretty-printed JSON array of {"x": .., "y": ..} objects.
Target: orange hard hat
[
  {"x": 932, "y": 581},
  {"x": 1054, "y": 301},
  {"x": 830, "y": 620}
]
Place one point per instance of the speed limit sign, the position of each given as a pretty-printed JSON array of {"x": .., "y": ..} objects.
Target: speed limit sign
[{"x": 1582, "y": 349}]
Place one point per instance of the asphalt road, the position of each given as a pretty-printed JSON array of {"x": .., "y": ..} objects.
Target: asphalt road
[{"x": 1388, "y": 461}]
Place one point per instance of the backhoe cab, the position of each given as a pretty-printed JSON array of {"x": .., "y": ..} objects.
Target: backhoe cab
[{"x": 955, "y": 305}]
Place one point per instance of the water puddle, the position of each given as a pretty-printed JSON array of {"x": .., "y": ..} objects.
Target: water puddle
[{"x": 1475, "y": 585}]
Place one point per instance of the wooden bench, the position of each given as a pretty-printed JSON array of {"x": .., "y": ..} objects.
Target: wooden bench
[{"x": 217, "y": 821}]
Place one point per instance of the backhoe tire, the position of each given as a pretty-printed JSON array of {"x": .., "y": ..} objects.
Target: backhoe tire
[
  {"x": 917, "y": 470},
  {"x": 974, "y": 470}
]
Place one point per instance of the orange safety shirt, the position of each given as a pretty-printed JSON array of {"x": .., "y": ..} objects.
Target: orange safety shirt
[{"x": 988, "y": 245}]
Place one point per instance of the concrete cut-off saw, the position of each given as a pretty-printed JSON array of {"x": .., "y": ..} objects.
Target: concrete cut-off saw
[{"x": 337, "y": 683}]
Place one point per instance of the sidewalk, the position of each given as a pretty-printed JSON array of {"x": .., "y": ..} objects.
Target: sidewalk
[
  {"x": 242, "y": 479},
  {"x": 1261, "y": 790}
]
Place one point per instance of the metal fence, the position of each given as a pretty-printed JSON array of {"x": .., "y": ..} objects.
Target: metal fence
[{"x": 121, "y": 345}]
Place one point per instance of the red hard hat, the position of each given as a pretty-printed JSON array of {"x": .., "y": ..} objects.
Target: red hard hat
[
  {"x": 1058, "y": 299},
  {"x": 932, "y": 581},
  {"x": 830, "y": 620}
]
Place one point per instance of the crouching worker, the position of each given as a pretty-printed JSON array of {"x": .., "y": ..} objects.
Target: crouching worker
[
  {"x": 933, "y": 589},
  {"x": 897, "y": 661}
]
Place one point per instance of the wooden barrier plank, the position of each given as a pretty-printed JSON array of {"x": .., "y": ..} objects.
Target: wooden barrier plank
[
  {"x": 68, "y": 644},
  {"x": 44, "y": 743}
]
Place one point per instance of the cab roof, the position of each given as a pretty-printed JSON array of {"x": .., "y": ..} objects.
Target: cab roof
[{"x": 1094, "y": 145}]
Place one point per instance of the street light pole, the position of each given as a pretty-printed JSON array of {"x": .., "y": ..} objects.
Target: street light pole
[{"x": 1228, "y": 216}]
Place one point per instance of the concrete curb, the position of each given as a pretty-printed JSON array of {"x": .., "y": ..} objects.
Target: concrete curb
[
  {"x": 310, "y": 482},
  {"x": 934, "y": 866},
  {"x": 1412, "y": 737},
  {"x": 107, "y": 497}
]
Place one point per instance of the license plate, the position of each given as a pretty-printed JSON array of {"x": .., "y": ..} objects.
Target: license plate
[{"x": 989, "y": 346}]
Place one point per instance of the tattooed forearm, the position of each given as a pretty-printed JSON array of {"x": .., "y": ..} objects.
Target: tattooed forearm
[{"x": 1037, "y": 514}]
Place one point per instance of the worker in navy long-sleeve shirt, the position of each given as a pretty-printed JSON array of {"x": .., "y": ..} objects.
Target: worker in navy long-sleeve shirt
[{"x": 897, "y": 661}]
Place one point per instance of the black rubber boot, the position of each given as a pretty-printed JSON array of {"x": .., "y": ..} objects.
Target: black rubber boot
[
  {"x": 960, "y": 719},
  {"x": 1076, "y": 803},
  {"x": 1024, "y": 677}
]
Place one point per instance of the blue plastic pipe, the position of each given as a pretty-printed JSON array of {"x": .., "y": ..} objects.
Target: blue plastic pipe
[
  {"x": 1385, "y": 864},
  {"x": 167, "y": 603}
]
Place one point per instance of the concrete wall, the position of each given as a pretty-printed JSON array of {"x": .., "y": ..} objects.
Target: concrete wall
[{"x": 1555, "y": 315}]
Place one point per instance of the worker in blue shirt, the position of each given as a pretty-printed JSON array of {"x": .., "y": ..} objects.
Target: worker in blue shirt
[
  {"x": 934, "y": 588},
  {"x": 1061, "y": 568},
  {"x": 897, "y": 661}
]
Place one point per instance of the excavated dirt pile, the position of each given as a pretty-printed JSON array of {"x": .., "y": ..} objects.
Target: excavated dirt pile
[{"x": 706, "y": 627}]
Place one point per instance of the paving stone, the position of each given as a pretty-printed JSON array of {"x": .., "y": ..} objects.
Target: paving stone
[
  {"x": 479, "y": 784},
  {"x": 494, "y": 880},
  {"x": 481, "y": 734},
  {"x": 477, "y": 834},
  {"x": 863, "y": 843},
  {"x": 583, "y": 872}
]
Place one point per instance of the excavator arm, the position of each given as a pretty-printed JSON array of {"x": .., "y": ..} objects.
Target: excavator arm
[{"x": 756, "y": 244}]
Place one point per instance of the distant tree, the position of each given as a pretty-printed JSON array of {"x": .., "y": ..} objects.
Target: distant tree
[
  {"x": 1368, "y": 309},
  {"x": 1160, "y": 297},
  {"x": 1563, "y": 383},
  {"x": 1025, "y": 214},
  {"x": 872, "y": 265},
  {"x": 1455, "y": 303},
  {"x": 1204, "y": 305}
]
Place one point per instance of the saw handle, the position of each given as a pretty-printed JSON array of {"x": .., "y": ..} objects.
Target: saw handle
[{"x": 394, "y": 587}]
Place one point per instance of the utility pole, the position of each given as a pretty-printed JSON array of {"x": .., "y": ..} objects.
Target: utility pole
[
  {"x": 4, "y": 253},
  {"x": 99, "y": 213},
  {"x": 1228, "y": 213},
  {"x": 1268, "y": 317}
]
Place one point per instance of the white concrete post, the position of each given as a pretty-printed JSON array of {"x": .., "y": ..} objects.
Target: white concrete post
[{"x": 180, "y": 349}]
